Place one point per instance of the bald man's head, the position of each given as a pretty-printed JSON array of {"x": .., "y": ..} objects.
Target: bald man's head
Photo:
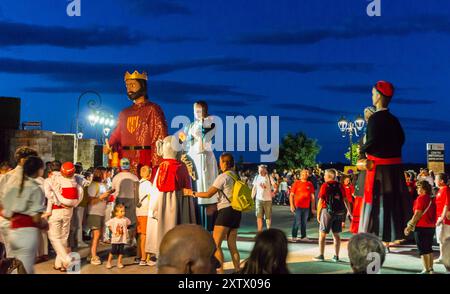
[{"x": 187, "y": 249}]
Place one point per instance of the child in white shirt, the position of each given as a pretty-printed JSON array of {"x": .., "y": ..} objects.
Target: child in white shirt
[{"x": 119, "y": 228}]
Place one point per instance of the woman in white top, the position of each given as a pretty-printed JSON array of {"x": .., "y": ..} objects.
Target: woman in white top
[
  {"x": 228, "y": 220},
  {"x": 23, "y": 205},
  {"x": 98, "y": 197}
]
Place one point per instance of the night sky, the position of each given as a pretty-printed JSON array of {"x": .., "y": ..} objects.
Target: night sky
[{"x": 307, "y": 61}]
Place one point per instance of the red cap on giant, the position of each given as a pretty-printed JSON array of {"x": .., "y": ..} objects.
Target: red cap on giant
[{"x": 385, "y": 88}]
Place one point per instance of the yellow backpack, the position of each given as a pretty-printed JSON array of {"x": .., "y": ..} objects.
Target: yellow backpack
[{"x": 242, "y": 195}]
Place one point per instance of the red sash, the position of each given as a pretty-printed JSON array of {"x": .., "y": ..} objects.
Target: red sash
[
  {"x": 22, "y": 221},
  {"x": 70, "y": 193},
  {"x": 370, "y": 174}
]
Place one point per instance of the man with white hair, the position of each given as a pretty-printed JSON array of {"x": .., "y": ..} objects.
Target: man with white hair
[
  {"x": 366, "y": 253},
  {"x": 332, "y": 209},
  {"x": 263, "y": 195}
]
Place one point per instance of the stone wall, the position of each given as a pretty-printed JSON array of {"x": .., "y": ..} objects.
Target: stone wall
[
  {"x": 50, "y": 146},
  {"x": 41, "y": 141},
  {"x": 63, "y": 147},
  {"x": 86, "y": 154}
]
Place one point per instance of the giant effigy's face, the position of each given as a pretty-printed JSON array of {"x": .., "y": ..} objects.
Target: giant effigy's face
[
  {"x": 375, "y": 97},
  {"x": 133, "y": 87},
  {"x": 198, "y": 111},
  {"x": 168, "y": 148}
]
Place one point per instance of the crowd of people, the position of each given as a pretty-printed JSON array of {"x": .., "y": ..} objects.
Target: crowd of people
[
  {"x": 66, "y": 205},
  {"x": 70, "y": 207},
  {"x": 166, "y": 189}
]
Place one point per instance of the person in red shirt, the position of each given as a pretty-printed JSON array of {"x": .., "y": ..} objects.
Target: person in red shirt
[
  {"x": 301, "y": 197},
  {"x": 349, "y": 189},
  {"x": 423, "y": 224},
  {"x": 442, "y": 212},
  {"x": 411, "y": 184},
  {"x": 332, "y": 209}
]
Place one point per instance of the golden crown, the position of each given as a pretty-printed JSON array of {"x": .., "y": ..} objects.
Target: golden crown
[{"x": 136, "y": 76}]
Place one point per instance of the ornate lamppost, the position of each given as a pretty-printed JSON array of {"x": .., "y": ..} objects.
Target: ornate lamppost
[
  {"x": 350, "y": 128},
  {"x": 93, "y": 103},
  {"x": 102, "y": 119}
]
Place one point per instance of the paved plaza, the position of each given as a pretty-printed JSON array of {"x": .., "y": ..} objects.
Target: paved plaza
[{"x": 401, "y": 260}]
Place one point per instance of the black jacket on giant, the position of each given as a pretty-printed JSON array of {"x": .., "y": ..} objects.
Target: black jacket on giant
[{"x": 385, "y": 136}]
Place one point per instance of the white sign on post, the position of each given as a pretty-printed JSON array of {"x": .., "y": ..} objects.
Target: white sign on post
[{"x": 435, "y": 157}]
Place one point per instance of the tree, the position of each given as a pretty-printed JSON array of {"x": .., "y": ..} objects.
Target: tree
[
  {"x": 297, "y": 151},
  {"x": 355, "y": 153}
]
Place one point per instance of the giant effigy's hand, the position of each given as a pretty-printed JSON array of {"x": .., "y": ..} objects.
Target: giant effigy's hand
[
  {"x": 190, "y": 166},
  {"x": 107, "y": 149}
]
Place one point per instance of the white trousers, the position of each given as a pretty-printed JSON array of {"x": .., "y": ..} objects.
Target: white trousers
[
  {"x": 43, "y": 243},
  {"x": 24, "y": 243},
  {"x": 442, "y": 233},
  {"x": 4, "y": 234},
  {"x": 58, "y": 233}
]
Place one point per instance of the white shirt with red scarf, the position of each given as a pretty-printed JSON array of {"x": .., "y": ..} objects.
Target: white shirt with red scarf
[
  {"x": 20, "y": 206},
  {"x": 61, "y": 191}
]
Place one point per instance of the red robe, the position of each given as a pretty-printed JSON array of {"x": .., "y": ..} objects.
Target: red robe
[
  {"x": 172, "y": 176},
  {"x": 139, "y": 125}
]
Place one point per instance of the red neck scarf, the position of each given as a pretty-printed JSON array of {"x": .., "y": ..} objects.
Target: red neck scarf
[{"x": 172, "y": 176}]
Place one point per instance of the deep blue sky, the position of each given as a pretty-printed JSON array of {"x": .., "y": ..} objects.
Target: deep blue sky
[{"x": 306, "y": 61}]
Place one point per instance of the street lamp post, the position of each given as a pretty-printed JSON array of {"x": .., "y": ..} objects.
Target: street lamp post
[
  {"x": 351, "y": 128},
  {"x": 104, "y": 120},
  {"x": 92, "y": 104}
]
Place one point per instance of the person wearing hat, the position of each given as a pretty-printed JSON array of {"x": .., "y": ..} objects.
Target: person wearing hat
[
  {"x": 126, "y": 187},
  {"x": 139, "y": 126},
  {"x": 63, "y": 194},
  {"x": 387, "y": 206}
]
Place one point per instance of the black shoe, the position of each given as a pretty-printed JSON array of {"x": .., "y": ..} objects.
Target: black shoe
[
  {"x": 335, "y": 258},
  {"x": 319, "y": 258}
]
